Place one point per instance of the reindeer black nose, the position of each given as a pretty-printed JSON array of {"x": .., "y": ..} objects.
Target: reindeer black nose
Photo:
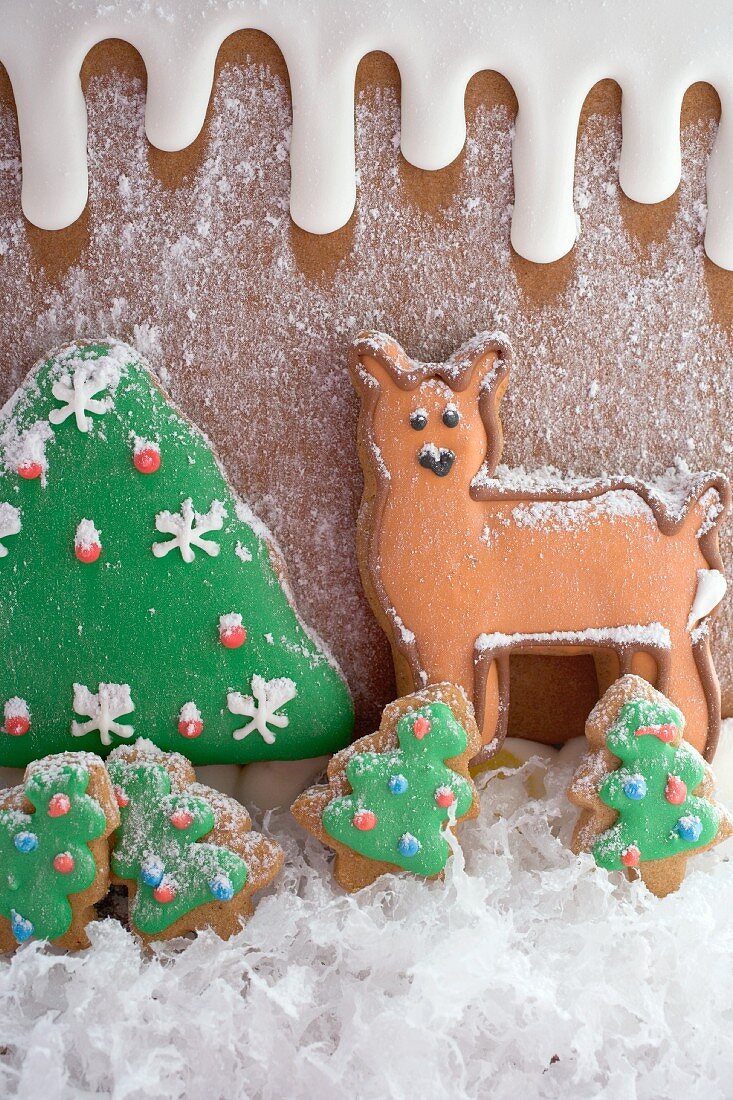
[{"x": 437, "y": 459}]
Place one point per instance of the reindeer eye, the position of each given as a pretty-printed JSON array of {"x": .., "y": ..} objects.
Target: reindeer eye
[
  {"x": 451, "y": 416},
  {"x": 419, "y": 420}
]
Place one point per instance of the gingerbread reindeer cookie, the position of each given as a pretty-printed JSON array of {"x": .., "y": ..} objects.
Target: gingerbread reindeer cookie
[
  {"x": 185, "y": 852},
  {"x": 54, "y": 852},
  {"x": 645, "y": 795},
  {"x": 467, "y": 562},
  {"x": 391, "y": 795}
]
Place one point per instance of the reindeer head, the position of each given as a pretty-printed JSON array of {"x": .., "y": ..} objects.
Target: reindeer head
[{"x": 432, "y": 423}]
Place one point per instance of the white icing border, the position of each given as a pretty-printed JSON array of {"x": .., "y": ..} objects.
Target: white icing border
[{"x": 552, "y": 54}]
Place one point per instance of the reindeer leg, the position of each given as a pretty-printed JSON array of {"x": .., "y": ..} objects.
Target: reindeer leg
[
  {"x": 689, "y": 680},
  {"x": 491, "y": 700}
]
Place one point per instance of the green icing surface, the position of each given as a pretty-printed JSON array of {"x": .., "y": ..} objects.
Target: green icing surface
[
  {"x": 415, "y": 812},
  {"x": 649, "y": 823},
  {"x": 146, "y": 833},
  {"x": 29, "y": 884},
  {"x": 131, "y": 618}
]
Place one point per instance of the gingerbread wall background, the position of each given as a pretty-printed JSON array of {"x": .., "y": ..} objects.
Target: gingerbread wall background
[{"x": 622, "y": 349}]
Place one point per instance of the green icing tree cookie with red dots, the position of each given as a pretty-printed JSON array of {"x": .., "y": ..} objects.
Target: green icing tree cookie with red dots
[
  {"x": 54, "y": 852},
  {"x": 391, "y": 796},
  {"x": 185, "y": 852},
  {"x": 139, "y": 594},
  {"x": 646, "y": 795}
]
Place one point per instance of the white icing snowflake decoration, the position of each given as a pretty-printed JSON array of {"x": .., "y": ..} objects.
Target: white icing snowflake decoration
[
  {"x": 187, "y": 529},
  {"x": 110, "y": 702},
  {"x": 79, "y": 395},
  {"x": 9, "y": 524},
  {"x": 262, "y": 707}
]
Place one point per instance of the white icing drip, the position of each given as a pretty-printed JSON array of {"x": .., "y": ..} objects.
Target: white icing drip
[
  {"x": 262, "y": 707},
  {"x": 711, "y": 587},
  {"x": 552, "y": 58},
  {"x": 651, "y": 634},
  {"x": 103, "y": 707}
]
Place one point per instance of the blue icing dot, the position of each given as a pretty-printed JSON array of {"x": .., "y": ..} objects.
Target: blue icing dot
[
  {"x": 397, "y": 784},
  {"x": 152, "y": 871},
  {"x": 25, "y": 842},
  {"x": 408, "y": 845},
  {"x": 635, "y": 788},
  {"x": 221, "y": 887},
  {"x": 22, "y": 928},
  {"x": 689, "y": 829}
]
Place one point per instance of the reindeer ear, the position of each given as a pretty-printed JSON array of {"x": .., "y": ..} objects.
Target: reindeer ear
[
  {"x": 376, "y": 357},
  {"x": 485, "y": 362}
]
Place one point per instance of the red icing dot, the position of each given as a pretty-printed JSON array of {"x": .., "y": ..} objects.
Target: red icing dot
[
  {"x": 17, "y": 725},
  {"x": 59, "y": 805},
  {"x": 63, "y": 863},
  {"x": 444, "y": 797},
  {"x": 676, "y": 790},
  {"x": 181, "y": 819},
  {"x": 164, "y": 893},
  {"x": 122, "y": 799},
  {"x": 364, "y": 820},
  {"x": 234, "y": 637},
  {"x": 421, "y": 728},
  {"x": 147, "y": 461},
  {"x": 30, "y": 470},
  {"x": 630, "y": 856},
  {"x": 192, "y": 727},
  {"x": 88, "y": 554}
]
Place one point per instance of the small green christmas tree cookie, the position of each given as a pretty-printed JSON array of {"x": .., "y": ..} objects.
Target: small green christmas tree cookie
[
  {"x": 392, "y": 795},
  {"x": 138, "y": 592},
  {"x": 54, "y": 855},
  {"x": 646, "y": 795},
  {"x": 185, "y": 851}
]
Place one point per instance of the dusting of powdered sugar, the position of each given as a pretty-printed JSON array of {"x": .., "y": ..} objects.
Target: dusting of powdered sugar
[{"x": 208, "y": 282}]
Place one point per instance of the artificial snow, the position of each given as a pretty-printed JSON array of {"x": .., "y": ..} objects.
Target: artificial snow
[{"x": 528, "y": 973}]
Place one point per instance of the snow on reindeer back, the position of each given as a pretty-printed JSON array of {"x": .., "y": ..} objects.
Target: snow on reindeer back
[
  {"x": 552, "y": 54},
  {"x": 139, "y": 596}
]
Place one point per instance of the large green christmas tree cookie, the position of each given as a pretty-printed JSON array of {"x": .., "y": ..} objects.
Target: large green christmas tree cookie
[
  {"x": 54, "y": 856},
  {"x": 185, "y": 851},
  {"x": 392, "y": 795},
  {"x": 646, "y": 795},
  {"x": 139, "y": 596}
]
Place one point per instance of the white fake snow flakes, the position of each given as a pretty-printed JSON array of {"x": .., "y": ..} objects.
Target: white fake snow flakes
[
  {"x": 527, "y": 974},
  {"x": 9, "y": 525}
]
